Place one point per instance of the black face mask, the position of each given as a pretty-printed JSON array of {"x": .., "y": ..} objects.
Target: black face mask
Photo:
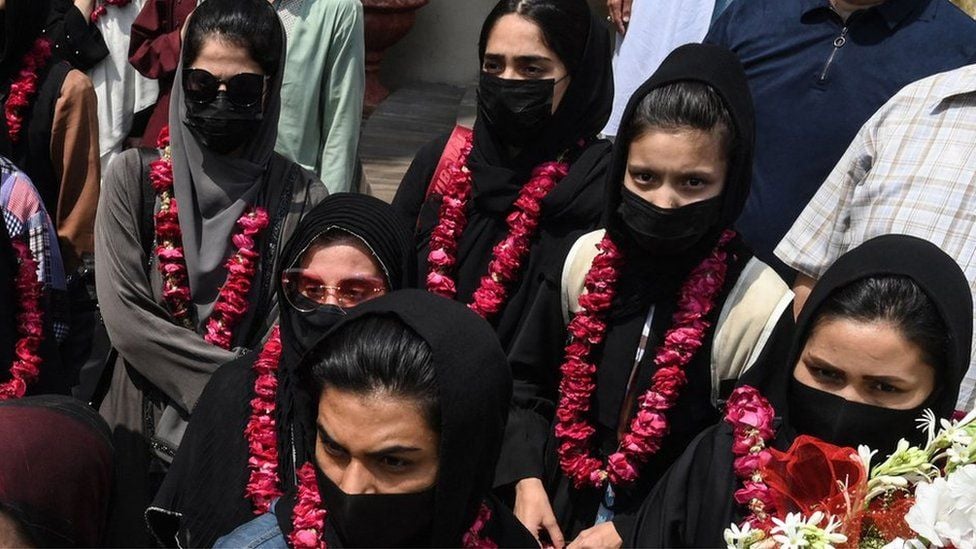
[
  {"x": 221, "y": 126},
  {"x": 515, "y": 110},
  {"x": 307, "y": 328},
  {"x": 845, "y": 423},
  {"x": 667, "y": 230},
  {"x": 379, "y": 520}
]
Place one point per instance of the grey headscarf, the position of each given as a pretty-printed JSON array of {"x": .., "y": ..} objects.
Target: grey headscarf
[{"x": 214, "y": 190}]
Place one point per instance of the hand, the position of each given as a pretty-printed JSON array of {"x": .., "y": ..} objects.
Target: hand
[
  {"x": 533, "y": 510},
  {"x": 601, "y": 536},
  {"x": 620, "y": 14}
]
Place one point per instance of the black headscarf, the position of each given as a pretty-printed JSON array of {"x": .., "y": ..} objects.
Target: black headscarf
[
  {"x": 582, "y": 113},
  {"x": 56, "y": 469},
  {"x": 474, "y": 387},
  {"x": 373, "y": 222},
  {"x": 205, "y": 483},
  {"x": 720, "y": 69},
  {"x": 936, "y": 274}
]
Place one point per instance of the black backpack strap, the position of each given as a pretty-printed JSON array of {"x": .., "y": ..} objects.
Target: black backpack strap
[{"x": 147, "y": 225}]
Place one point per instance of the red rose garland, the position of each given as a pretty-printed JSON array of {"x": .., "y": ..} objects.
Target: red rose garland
[
  {"x": 308, "y": 519},
  {"x": 507, "y": 255},
  {"x": 264, "y": 485},
  {"x": 25, "y": 87},
  {"x": 751, "y": 417},
  {"x": 231, "y": 304},
  {"x": 98, "y": 12},
  {"x": 587, "y": 330},
  {"x": 30, "y": 324}
]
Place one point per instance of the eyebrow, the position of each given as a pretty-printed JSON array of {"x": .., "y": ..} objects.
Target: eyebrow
[
  {"x": 887, "y": 379},
  {"x": 395, "y": 449},
  {"x": 520, "y": 58}
]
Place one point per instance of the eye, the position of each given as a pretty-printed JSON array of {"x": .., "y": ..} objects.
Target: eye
[
  {"x": 642, "y": 178},
  {"x": 696, "y": 183},
  {"x": 533, "y": 71},
  {"x": 826, "y": 376},
  {"x": 491, "y": 67},
  {"x": 394, "y": 463},
  {"x": 883, "y": 387},
  {"x": 332, "y": 448}
]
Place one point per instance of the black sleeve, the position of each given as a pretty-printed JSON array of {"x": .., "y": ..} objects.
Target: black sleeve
[
  {"x": 76, "y": 40},
  {"x": 535, "y": 357},
  {"x": 412, "y": 192}
]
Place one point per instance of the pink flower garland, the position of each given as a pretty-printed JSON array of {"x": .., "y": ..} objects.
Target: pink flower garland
[
  {"x": 264, "y": 485},
  {"x": 308, "y": 520},
  {"x": 681, "y": 342},
  {"x": 507, "y": 255},
  {"x": 231, "y": 304},
  {"x": 751, "y": 417},
  {"x": 30, "y": 324},
  {"x": 102, "y": 8},
  {"x": 25, "y": 87}
]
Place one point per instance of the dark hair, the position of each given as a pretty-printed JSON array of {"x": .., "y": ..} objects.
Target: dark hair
[
  {"x": 685, "y": 104},
  {"x": 896, "y": 300},
  {"x": 250, "y": 24},
  {"x": 565, "y": 26},
  {"x": 378, "y": 354}
]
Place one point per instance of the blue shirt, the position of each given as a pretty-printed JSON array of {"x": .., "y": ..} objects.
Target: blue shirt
[
  {"x": 816, "y": 79},
  {"x": 261, "y": 533}
]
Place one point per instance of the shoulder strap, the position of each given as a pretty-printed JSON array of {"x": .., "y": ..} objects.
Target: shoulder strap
[
  {"x": 147, "y": 222},
  {"x": 577, "y": 264},
  {"x": 451, "y": 154},
  {"x": 751, "y": 312}
]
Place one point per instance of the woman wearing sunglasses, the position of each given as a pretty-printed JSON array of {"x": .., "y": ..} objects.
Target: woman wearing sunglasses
[
  {"x": 189, "y": 241},
  {"x": 348, "y": 250}
]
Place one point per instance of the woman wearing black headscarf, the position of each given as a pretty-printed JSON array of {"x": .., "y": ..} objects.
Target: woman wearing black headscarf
[
  {"x": 545, "y": 93},
  {"x": 884, "y": 335},
  {"x": 409, "y": 396},
  {"x": 55, "y": 473},
  {"x": 203, "y": 495},
  {"x": 664, "y": 307},
  {"x": 192, "y": 287}
]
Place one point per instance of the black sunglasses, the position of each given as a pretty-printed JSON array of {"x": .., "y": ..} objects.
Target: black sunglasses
[{"x": 243, "y": 90}]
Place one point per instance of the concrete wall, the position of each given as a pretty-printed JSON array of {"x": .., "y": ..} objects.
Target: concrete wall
[{"x": 443, "y": 46}]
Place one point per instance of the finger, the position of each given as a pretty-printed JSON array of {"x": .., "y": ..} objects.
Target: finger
[
  {"x": 615, "y": 12},
  {"x": 555, "y": 534},
  {"x": 626, "y": 10}
]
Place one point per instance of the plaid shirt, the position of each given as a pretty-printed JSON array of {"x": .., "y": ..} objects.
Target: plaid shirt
[
  {"x": 25, "y": 217},
  {"x": 910, "y": 170}
]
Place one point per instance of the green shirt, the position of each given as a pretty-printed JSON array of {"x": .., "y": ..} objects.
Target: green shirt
[{"x": 322, "y": 92}]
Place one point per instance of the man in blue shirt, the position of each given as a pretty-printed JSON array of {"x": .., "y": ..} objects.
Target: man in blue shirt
[{"x": 818, "y": 70}]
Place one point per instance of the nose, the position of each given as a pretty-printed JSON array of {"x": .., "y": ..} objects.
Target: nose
[
  {"x": 850, "y": 394},
  {"x": 356, "y": 479},
  {"x": 510, "y": 73},
  {"x": 331, "y": 299},
  {"x": 663, "y": 197}
]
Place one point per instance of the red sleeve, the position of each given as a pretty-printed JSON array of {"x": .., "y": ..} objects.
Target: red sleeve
[{"x": 154, "y": 47}]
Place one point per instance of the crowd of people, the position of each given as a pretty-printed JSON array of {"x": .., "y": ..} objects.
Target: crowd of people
[{"x": 676, "y": 246}]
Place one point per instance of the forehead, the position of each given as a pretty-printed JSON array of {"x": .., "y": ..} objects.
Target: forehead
[
  {"x": 367, "y": 422},
  {"x": 224, "y": 59},
  {"x": 680, "y": 149},
  {"x": 865, "y": 348},
  {"x": 516, "y": 36}
]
